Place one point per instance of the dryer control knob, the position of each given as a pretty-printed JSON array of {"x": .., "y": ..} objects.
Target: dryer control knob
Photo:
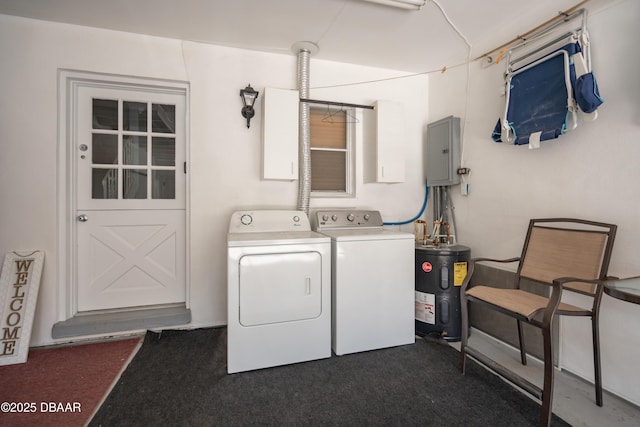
[
  {"x": 334, "y": 217},
  {"x": 325, "y": 217},
  {"x": 296, "y": 218},
  {"x": 351, "y": 217},
  {"x": 246, "y": 219},
  {"x": 366, "y": 217}
]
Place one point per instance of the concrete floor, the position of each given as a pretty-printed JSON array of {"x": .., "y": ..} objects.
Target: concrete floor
[{"x": 574, "y": 398}]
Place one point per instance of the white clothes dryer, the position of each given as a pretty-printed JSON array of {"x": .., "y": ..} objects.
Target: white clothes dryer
[
  {"x": 372, "y": 287},
  {"x": 279, "y": 290}
]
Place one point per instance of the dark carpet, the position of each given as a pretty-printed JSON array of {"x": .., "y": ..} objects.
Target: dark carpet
[{"x": 179, "y": 378}]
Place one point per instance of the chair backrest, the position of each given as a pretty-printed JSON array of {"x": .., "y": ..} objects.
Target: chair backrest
[{"x": 561, "y": 247}]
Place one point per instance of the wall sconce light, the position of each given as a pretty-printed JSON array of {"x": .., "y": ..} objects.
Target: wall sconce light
[{"x": 249, "y": 96}]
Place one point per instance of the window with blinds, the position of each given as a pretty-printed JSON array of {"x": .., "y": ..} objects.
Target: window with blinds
[{"x": 331, "y": 152}]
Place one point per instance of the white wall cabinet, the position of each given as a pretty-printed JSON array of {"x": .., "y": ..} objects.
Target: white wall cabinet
[
  {"x": 390, "y": 158},
  {"x": 280, "y": 134}
]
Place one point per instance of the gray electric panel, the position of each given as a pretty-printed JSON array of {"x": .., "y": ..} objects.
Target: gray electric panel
[{"x": 443, "y": 152}]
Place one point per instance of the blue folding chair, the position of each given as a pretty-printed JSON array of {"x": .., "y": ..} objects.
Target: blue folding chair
[{"x": 543, "y": 97}]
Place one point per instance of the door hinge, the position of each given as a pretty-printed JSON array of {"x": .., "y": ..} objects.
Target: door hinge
[{"x": 185, "y": 167}]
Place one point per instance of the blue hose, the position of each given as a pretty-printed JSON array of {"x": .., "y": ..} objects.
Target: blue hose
[{"x": 424, "y": 206}]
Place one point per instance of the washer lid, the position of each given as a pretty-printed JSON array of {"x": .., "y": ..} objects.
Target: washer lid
[{"x": 276, "y": 238}]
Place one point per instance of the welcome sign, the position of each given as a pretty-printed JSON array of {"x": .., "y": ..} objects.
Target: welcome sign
[{"x": 19, "y": 286}]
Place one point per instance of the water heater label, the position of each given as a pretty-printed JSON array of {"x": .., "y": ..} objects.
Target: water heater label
[
  {"x": 427, "y": 267},
  {"x": 425, "y": 307},
  {"x": 459, "y": 273}
]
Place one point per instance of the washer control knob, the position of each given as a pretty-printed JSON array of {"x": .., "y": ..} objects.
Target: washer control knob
[
  {"x": 325, "y": 217},
  {"x": 246, "y": 219},
  {"x": 334, "y": 217},
  {"x": 366, "y": 217},
  {"x": 351, "y": 217},
  {"x": 296, "y": 218}
]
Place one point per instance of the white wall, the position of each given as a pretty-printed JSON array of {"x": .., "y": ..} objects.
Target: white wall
[
  {"x": 591, "y": 172},
  {"x": 224, "y": 158}
]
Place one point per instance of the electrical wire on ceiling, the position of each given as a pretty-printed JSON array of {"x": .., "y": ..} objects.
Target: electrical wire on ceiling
[
  {"x": 404, "y": 76},
  {"x": 451, "y": 24},
  {"x": 465, "y": 184},
  {"x": 333, "y": 21}
]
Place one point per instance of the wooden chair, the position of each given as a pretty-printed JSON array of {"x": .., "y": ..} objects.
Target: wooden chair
[{"x": 559, "y": 254}]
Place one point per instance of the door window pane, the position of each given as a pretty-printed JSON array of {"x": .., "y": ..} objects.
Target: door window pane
[
  {"x": 163, "y": 152},
  {"x": 134, "y": 150},
  {"x": 104, "y": 149},
  {"x": 164, "y": 184},
  {"x": 105, "y": 114},
  {"x": 163, "y": 118},
  {"x": 134, "y": 116},
  {"x": 134, "y": 182},
  {"x": 104, "y": 183}
]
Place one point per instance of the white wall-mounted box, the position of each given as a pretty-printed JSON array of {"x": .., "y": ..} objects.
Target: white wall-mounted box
[
  {"x": 390, "y": 158},
  {"x": 280, "y": 134}
]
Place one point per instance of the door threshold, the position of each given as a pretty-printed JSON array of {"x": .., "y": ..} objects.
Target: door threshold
[{"x": 121, "y": 321}]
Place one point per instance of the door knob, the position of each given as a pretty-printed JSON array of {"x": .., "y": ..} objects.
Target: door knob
[{"x": 83, "y": 218}]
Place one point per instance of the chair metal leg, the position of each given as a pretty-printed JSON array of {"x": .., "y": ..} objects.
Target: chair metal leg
[
  {"x": 523, "y": 350},
  {"x": 464, "y": 320},
  {"x": 596, "y": 359},
  {"x": 547, "y": 390}
]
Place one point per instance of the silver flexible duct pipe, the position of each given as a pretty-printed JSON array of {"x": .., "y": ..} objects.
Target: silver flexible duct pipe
[{"x": 304, "y": 154}]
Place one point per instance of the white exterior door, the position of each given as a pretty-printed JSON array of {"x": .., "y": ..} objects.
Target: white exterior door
[{"x": 130, "y": 197}]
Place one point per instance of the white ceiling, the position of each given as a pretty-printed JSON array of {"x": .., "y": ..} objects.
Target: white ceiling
[{"x": 351, "y": 31}]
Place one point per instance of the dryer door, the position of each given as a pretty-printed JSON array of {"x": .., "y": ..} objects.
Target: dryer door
[{"x": 282, "y": 287}]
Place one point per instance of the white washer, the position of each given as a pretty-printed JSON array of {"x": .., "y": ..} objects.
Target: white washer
[
  {"x": 372, "y": 281},
  {"x": 279, "y": 290}
]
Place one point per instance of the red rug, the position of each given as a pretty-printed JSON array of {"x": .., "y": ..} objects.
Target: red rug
[{"x": 62, "y": 386}]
